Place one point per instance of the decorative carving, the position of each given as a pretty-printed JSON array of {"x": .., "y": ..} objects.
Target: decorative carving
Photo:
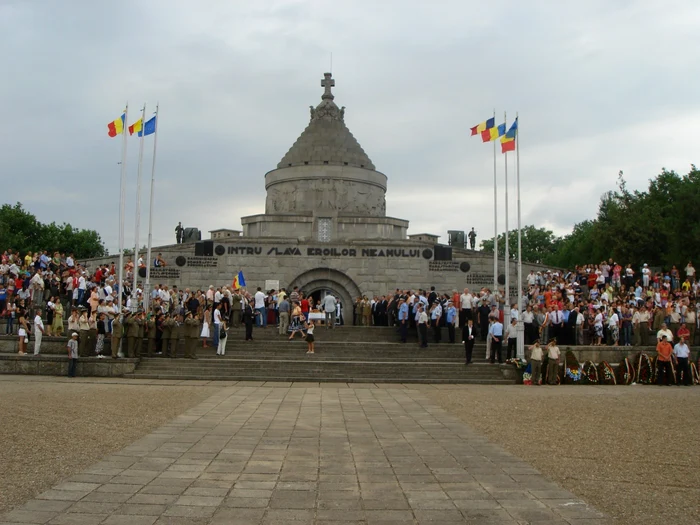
[
  {"x": 313, "y": 111},
  {"x": 342, "y": 113}
]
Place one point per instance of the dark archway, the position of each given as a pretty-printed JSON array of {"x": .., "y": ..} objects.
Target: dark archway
[{"x": 331, "y": 280}]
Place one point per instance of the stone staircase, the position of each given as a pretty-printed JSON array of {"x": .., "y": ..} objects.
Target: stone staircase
[{"x": 348, "y": 354}]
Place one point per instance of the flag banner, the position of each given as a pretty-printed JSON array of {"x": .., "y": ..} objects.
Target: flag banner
[
  {"x": 136, "y": 127},
  {"x": 487, "y": 124},
  {"x": 116, "y": 127},
  {"x": 238, "y": 281},
  {"x": 493, "y": 133},
  {"x": 512, "y": 130},
  {"x": 149, "y": 128},
  {"x": 508, "y": 139},
  {"x": 507, "y": 144}
]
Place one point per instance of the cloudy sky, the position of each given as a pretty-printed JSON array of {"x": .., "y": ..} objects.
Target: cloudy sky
[{"x": 600, "y": 86}]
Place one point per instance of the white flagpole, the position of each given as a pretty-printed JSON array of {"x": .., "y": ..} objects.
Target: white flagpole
[
  {"x": 521, "y": 325},
  {"x": 147, "y": 287},
  {"x": 122, "y": 199},
  {"x": 134, "y": 296},
  {"x": 506, "y": 306},
  {"x": 495, "y": 219}
]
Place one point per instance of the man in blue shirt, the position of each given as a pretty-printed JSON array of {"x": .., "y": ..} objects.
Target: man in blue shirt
[
  {"x": 435, "y": 315},
  {"x": 496, "y": 335},
  {"x": 403, "y": 319},
  {"x": 450, "y": 320}
]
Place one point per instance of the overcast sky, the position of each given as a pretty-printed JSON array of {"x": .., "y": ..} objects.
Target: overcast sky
[{"x": 600, "y": 86}]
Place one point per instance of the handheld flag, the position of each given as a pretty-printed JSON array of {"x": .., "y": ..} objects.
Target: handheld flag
[
  {"x": 116, "y": 127},
  {"x": 136, "y": 127},
  {"x": 238, "y": 281},
  {"x": 149, "y": 128},
  {"x": 487, "y": 124},
  {"x": 508, "y": 140}
]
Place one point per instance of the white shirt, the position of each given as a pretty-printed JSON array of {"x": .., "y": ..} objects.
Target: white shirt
[
  {"x": 512, "y": 332},
  {"x": 598, "y": 320},
  {"x": 681, "y": 350},
  {"x": 528, "y": 317},
  {"x": 514, "y": 314},
  {"x": 465, "y": 301},
  {"x": 38, "y": 324},
  {"x": 81, "y": 283},
  {"x": 613, "y": 320},
  {"x": 259, "y": 299},
  {"x": 217, "y": 316},
  {"x": 217, "y": 296},
  {"x": 69, "y": 262}
]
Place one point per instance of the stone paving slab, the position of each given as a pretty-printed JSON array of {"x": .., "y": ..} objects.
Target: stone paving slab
[{"x": 287, "y": 454}]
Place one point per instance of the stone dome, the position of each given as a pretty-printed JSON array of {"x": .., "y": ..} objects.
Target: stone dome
[{"x": 326, "y": 140}]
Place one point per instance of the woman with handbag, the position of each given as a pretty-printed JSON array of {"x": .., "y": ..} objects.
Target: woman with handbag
[{"x": 221, "y": 349}]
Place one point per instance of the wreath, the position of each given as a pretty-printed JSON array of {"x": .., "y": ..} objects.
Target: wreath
[
  {"x": 606, "y": 374},
  {"x": 626, "y": 372},
  {"x": 589, "y": 373},
  {"x": 645, "y": 369},
  {"x": 572, "y": 369},
  {"x": 527, "y": 375},
  {"x": 694, "y": 376}
]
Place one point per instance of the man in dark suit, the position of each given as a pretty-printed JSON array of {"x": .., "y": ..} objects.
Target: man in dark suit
[
  {"x": 248, "y": 318},
  {"x": 571, "y": 326},
  {"x": 468, "y": 338}
]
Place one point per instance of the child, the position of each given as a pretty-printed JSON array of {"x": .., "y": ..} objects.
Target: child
[
  {"x": 310, "y": 336},
  {"x": 72, "y": 347}
]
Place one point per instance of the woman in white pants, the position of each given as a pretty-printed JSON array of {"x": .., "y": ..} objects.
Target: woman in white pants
[{"x": 221, "y": 349}]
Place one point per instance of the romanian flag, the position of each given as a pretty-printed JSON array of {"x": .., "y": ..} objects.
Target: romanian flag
[
  {"x": 493, "y": 133},
  {"x": 149, "y": 127},
  {"x": 238, "y": 281},
  {"x": 487, "y": 124},
  {"x": 136, "y": 127},
  {"x": 508, "y": 139},
  {"x": 116, "y": 127}
]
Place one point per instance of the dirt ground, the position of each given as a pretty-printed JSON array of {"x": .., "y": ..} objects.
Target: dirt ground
[
  {"x": 52, "y": 428},
  {"x": 632, "y": 452}
]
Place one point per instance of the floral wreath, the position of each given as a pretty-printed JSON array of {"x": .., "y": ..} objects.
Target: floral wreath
[
  {"x": 572, "y": 369},
  {"x": 589, "y": 373},
  {"x": 626, "y": 374},
  {"x": 606, "y": 374}
]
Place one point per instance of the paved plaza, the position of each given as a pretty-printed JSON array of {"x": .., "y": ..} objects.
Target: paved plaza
[{"x": 307, "y": 454}]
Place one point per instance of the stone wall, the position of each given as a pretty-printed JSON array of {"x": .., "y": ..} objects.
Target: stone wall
[
  {"x": 55, "y": 365},
  {"x": 374, "y": 268}
]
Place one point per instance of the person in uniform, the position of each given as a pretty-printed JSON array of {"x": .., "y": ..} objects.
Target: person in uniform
[
  {"x": 141, "y": 321},
  {"x": 175, "y": 334},
  {"x": 191, "y": 332},
  {"x": 165, "y": 337},
  {"x": 132, "y": 334},
  {"x": 117, "y": 334},
  {"x": 151, "y": 334}
]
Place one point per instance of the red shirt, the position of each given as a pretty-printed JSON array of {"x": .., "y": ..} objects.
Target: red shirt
[
  {"x": 664, "y": 349},
  {"x": 305, "y": 305}
]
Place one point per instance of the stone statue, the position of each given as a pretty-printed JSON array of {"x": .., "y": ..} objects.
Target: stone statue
[
  {"x": 312, "y": 111},
  {"x": 472, "y": 239},
  {"x": 342, "y": 113},
  {"x": 179, "y": 233}
]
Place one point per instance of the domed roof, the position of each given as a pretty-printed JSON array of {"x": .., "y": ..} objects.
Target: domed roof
[{"x": 326, "y": 140}]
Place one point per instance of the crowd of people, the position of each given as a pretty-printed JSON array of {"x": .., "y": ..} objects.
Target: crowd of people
[{"x": 590, "y": 305}]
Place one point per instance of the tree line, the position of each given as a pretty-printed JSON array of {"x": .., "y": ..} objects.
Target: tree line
[
  {"x": 659, "y": 226},
  {"x": 21, "y": 231}
]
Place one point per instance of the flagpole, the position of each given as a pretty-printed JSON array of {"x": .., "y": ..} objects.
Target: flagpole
[
  {"x": 521, "y": 325},
  {"x": 506, "y": 306},
  {"x": 495, "y": 219},
  {"x": 147, "y": 287},
  {"x": 122, "y": 199},
  {"x": 134, "y": 295}
]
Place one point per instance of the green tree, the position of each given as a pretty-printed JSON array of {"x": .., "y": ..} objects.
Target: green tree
[
  {"x": 20, "y": 230},
  {"x": 538, "y": 244}
]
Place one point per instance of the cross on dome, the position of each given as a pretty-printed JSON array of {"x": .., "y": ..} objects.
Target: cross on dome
[{"x": 328, "y": 82}]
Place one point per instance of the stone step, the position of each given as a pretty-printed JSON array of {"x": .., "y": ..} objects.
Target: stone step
[{"x": 320, "y": 379}]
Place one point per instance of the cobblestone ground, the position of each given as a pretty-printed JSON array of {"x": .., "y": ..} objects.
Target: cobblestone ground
[
  {"x": 630, "y": 451},
  {"x": 307, "y": 454}
]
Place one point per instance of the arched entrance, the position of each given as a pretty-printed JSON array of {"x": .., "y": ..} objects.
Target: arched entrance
[{"x": 319, "y": 281}]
